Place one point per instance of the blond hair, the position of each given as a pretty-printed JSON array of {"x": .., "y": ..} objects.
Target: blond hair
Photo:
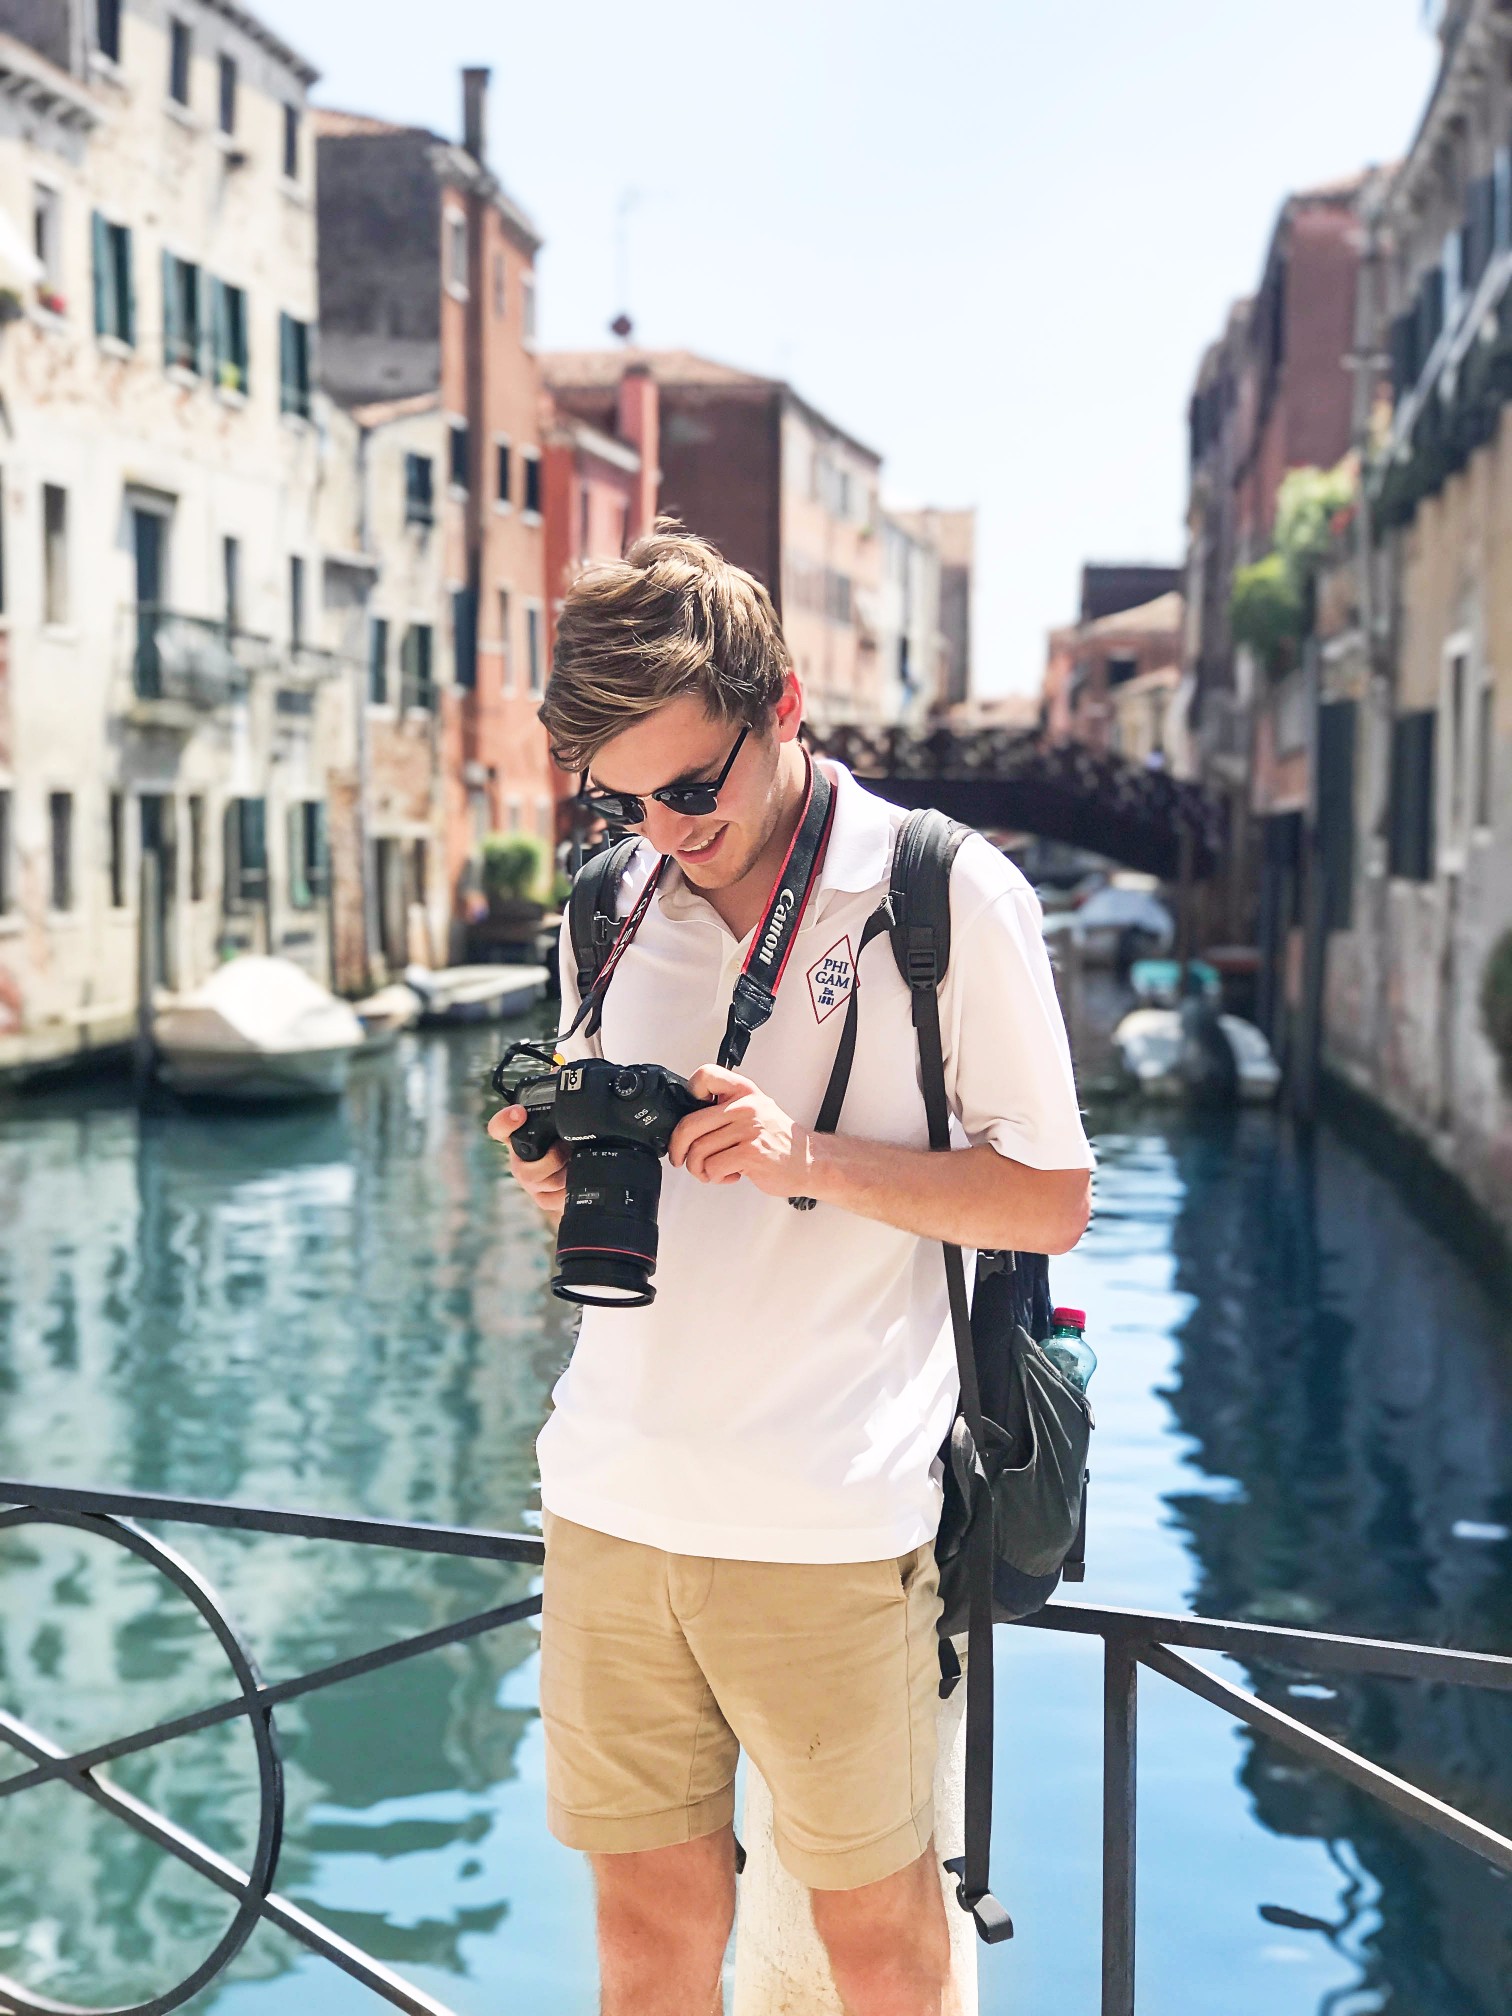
[{"x": 672, "y": 618}]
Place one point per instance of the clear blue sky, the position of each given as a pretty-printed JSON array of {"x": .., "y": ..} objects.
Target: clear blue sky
[{"x": 988, "y": 237}]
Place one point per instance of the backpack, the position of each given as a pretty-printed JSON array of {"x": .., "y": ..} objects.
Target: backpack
[{"x": 1013, "y": 1522}]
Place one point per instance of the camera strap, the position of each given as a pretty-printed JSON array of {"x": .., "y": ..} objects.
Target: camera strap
[
  {"x": 756, "y": 990},
  {"x": 771, "y": 947}
]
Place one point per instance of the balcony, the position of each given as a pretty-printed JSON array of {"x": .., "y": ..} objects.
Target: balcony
[{"x": 193, "y": 663}]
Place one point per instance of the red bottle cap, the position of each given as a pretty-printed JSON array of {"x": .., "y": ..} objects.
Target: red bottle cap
[{"x": 1073, "y": 1319}]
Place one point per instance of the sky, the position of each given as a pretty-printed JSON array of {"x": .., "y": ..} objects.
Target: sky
[{"x": 989, "y": 238}]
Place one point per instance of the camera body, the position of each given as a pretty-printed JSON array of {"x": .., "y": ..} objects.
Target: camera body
[{"x": 616, "y": 1122}]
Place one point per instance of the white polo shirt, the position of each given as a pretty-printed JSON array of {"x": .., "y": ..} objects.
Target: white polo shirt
[{"x": 786, "y": 1394}]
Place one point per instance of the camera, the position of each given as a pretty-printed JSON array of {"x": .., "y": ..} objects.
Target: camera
[{"x": 616, "y": 1122}]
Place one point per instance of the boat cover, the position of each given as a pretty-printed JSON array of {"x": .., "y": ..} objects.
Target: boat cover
[{"x": 258, "y": 1004}]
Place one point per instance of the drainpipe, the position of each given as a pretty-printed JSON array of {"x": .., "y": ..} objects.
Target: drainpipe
[{"x": 779, "y": 1962}]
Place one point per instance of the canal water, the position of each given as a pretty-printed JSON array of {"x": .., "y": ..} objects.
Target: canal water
[{"x": 1305, "y": 1416}]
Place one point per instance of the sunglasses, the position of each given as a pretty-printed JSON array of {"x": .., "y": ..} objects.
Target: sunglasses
[{"x": 694, "y": 801}]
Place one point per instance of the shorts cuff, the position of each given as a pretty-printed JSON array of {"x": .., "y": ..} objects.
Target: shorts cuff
[
  {"x": 849, "y": 1868},
  {"x": 607, "y": 1834}
]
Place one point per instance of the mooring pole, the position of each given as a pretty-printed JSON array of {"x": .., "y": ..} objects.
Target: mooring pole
[{"x": 780, "y": 1966}]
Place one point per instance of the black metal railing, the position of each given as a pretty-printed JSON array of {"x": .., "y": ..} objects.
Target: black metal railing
[{"x": 1131, "y": 1639}]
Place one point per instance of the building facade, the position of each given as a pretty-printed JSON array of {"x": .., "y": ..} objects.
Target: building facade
[
  {"x": 1111, "y": 680},
  {"x": 168, "y": 715},
  {"x": 427, "y": 291},
  {"x": 779, "y": 489}
]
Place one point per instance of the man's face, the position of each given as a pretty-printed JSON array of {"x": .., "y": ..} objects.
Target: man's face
[{"x": 683, "y": 744}]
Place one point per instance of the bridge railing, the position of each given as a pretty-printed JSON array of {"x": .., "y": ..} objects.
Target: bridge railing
[{"x": 1132, "y": 1640}]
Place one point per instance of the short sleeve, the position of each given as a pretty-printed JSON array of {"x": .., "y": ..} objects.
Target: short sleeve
[{"x": 1007, "y": 1059}]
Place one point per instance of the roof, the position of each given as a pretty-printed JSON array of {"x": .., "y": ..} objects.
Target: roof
[
  {"x": 380, "y": 412},
  {"x": 601, "y": 370},
  {"x": 450, "y": 161},
  {"x": 1166, "y": 612},
  {"x": 264, "y": 37},
  {"x": 331, "y": 124}
]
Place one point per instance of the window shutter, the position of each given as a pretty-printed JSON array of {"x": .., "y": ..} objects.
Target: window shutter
[
  {"x": 1410, "y": 830},
  {"x": 1336, "y": 809},
  {"x": 203, "y": 362},
  {"x": 127, "y": 287},
  {"x": 285, "y": 363},
  {"x": 103, "y": 287},
  {"x": 465, "y": 637},
  {"x": 172, "y": 333}
]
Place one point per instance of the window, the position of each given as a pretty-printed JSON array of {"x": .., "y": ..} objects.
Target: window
[
  {"x": 183, "y": 331},
  {"x": 533, "y": 642},
  {"x": 500, "y": 298},
  {"x": 47, "y": 243},
  {"x": 465, "y": 637},
  {"x": 196, "y": 850},
  {"x": 378, "y": 649},
  {"x": 291, "y": 142},
  {"x": 457, "y": 457},
  {"x": 1121, "y": 669},
  {"x": 54, "y": 554},
  {"x": 293, "y": 366},
  {"x": 60, "y": 851},
  {"x": 506, "y": 643},
  {"x": 501, "y": 474},
  {"x": 226, "y": 95},
  {"x": 527, "y": 308},
  {"x": 307, "y": 852},
  {"x": 108, "y": 28},
  {"x": 456, "y": 251},
  {"x": 231, "y": 582},
  {"x": 1336, "y": 811},
  {"x": 117, "y": 851},
  {"x": 246, "y": 850},
  {"x": 415, "y": 675},
  {"x": 1409, "y": 846},
  {"x": 1459, "y": 696},
  {"x": 296, "y": 600},
  {"x": 837, "y": 596},
  {"x": 1485, "y": 752},
  {"x": 419, "y": 497},
  {"x": 419, "y": 871},
  {"x": 228, "y": 336},
  {"x": 114, "y": 301},
  {"x": 179, "y": 49},
  {"x": 532, "y": 466},
  {"x": 585, "y": 519},
  {"x": 7, "y": 891}
]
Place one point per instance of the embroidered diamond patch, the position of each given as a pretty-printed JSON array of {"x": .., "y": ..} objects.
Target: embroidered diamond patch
[{"x": 831, "y": 979}]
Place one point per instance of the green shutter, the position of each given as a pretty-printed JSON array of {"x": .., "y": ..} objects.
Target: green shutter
[
  {"x": 103, "y": 285},
  {"x": 288, "y": 364},
  {"x": 219, "y": 346},
  {"x": 172, "y": 333},
  {"x": 201, "y": 324},
  {"x": 127, "y": 286}
]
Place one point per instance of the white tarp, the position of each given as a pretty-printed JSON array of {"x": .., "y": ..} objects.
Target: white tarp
[{"x": 257, "y": 1004}]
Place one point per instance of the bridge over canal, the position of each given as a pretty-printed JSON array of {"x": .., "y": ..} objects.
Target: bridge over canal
[{"x": 1013, "y": 780}]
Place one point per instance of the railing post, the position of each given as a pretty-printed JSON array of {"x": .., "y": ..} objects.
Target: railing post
[{"x": 1120, "y": 1715}]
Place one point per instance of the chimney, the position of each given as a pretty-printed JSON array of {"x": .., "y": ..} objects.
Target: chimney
[
  {"x": 638, "y": 422},
  {"x": 475, "y": 113}
]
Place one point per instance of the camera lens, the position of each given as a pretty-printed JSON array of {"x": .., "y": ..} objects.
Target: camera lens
[{"x": 606, "y": 1247}]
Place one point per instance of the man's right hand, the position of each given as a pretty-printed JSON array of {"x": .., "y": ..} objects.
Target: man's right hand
[{"x": 545, "y": 1182}]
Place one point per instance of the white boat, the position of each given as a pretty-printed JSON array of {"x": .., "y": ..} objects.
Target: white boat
[
  {"x": 1151, "y": 1046},
  {"x": 258, "y": 1029},
  {"x": 476, "y": 993}
]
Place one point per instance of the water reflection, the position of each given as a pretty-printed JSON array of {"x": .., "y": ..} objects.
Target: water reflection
[
  {"x": 1356, "y": 1384},
  {"x": 340, "y": 1309}
]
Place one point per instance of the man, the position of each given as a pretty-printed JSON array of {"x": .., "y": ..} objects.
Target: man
[{"x": 739, "y": 1481}]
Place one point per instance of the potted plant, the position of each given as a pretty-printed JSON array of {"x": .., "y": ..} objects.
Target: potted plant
[
  {"x": 1496, "y": 1005},
  {"x": 514, "y": 876}
]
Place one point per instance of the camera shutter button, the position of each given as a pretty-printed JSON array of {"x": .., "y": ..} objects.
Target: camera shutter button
[{"x": 628, "y": 1083}]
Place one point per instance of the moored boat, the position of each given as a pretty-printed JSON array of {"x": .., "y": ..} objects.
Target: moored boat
[
  {"x": 476, "y": 993},
  {"x": 259, "y": 1029}
]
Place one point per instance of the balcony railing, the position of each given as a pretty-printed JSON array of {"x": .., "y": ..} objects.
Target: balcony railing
[
  {"x": 197, "y": 660},
  {"x": 1132, "y": 1639}
]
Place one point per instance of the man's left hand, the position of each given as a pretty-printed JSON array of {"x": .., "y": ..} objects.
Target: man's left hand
[{"x": 745, "y": 1134}]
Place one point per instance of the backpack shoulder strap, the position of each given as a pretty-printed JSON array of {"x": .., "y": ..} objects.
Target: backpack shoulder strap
[
  {"x": 592, "y": 908},
  {"x": 923, "y": 857}
]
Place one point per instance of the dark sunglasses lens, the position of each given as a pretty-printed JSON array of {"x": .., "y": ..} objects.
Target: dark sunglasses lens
[
  {"x": 694, "y": 801},
  {"x": 615, "y": 807}
]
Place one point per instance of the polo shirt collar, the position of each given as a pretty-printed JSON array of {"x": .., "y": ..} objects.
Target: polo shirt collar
[{"x": 857, "y": 857}]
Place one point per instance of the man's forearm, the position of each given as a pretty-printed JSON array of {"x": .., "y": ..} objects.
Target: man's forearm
[{"x": 971, "y": 1197}]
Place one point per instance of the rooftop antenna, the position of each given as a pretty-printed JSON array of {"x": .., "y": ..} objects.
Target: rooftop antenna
[{"x": 622, "y": 326}]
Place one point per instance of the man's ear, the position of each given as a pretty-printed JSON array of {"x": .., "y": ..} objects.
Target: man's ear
[{"x": 787, "y": 713}]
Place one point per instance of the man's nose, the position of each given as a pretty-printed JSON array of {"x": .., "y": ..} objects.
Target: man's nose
[{"x": 667, "y": 831}]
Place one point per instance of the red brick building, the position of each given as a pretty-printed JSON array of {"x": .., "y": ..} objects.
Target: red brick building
[{"x": 427, "y": 293}]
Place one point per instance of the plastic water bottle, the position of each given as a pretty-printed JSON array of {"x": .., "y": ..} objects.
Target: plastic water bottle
[{"x": 1067, "y": 1349}]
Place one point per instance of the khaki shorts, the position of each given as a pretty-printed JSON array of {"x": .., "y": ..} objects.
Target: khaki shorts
[{"x": 656, "y": 1668}]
